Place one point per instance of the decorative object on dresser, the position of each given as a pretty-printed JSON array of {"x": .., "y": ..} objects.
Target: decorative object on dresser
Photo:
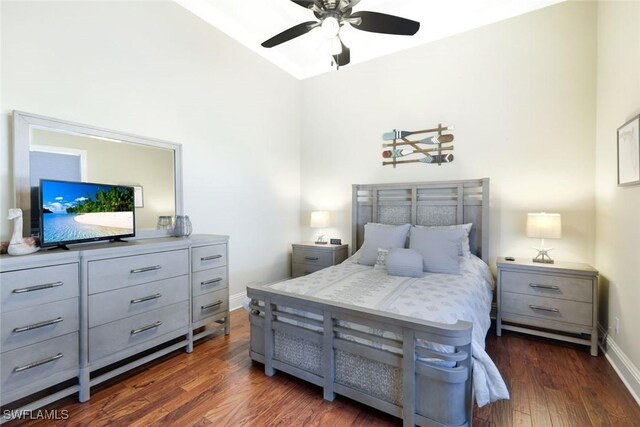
[
  {"x": 557, "y": 301},
  {"x": 19, "y": 245},
  {"x": 182, "y": 226},
  {"x": 430, "y": 154},
  {"x": 342, "y": 346},
  {"x": 99, "y": 310},
  {"x": 308, "y": 258},
  {"x": 544, "y": 226},
  {"x": 320, "y": 220},
  {"x": 629, "y": 152}
]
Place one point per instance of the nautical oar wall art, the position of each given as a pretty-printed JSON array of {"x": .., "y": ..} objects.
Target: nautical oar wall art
[{"x": 434, "y": 145}]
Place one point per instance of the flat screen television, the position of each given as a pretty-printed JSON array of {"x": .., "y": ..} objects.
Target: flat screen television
[{"x": 76, "y": 212}]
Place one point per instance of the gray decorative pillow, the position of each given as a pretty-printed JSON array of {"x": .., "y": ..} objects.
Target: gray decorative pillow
[
  {"x": 439, "y": 248},
  {"x": 381, "y": 236},
  {"x": 381, "y": 261},
  {"x": 404, "y": 262},
  {"x": 462, "y": 230}
]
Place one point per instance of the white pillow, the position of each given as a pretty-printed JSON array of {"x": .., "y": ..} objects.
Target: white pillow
[
  {"x": 405, "y": 263},
  {"x": 462, "y": 230},
  {"x": 381, "y": 236},
  {"x": 439, "y": 248}
]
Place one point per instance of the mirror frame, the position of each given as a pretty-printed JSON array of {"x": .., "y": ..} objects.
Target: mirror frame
[{"x": 23, "y": 123}]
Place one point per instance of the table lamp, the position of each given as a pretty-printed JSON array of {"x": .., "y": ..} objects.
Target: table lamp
[
  {"x": 320, "y": 220},
  {"x": 544, "y": 226}
]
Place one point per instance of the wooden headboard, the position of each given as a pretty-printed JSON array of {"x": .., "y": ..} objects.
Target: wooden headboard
[{"x": 425, "y": 203}]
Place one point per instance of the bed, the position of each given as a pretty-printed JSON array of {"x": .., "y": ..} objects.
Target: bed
[{"x": 411, "y": 347}]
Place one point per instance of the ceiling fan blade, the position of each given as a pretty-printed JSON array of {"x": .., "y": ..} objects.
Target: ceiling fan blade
[
  {"x": 344, "y": 57},
  {"x": 375, "y": 22},
  {"x": 291, "y": 33}
]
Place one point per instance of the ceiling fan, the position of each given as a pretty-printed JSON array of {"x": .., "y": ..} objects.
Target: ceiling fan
[{"x": 333, "y": 15}]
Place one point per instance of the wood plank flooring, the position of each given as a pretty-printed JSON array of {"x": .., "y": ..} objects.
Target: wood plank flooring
[{"x": 551, "y": 384}]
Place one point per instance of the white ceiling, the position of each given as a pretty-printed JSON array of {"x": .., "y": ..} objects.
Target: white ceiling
[{"x": 251, "y": 22}]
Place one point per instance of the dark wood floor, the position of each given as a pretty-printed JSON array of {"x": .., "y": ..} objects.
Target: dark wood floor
[{"x": 550, "y": 384}]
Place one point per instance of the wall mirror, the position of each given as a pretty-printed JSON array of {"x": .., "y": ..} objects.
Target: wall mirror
[{"x": 50, "y": 148}]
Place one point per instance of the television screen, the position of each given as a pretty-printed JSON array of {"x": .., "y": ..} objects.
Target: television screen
[{"x": 74, "y": 212}]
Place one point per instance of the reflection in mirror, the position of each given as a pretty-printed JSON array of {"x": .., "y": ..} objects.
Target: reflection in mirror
[{"x": 54, "y": 149}]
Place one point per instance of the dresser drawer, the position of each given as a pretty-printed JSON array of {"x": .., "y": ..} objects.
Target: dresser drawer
[
  {"x": 206, "y": 257},
  {"x": 116, "y": 336},
  {"x": 304, "y": 269},
  {"x": 209, "y": 304},
  {"x": 312, "y": 257},
  {"x": 557, "y": 310},
  {"x": 38, "y": 362},
  {"x": 31, "y": 325},
  {"x": 109, "y": 306},
  {"x": 547, "y": 285},
  {"x": 36, "y": 286},
  {"x": 114, "y": 273},
  {"x": 209, "y": 280}
]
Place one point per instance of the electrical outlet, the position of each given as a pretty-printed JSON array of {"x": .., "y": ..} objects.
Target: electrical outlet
[{"x": 616, "y": 325}]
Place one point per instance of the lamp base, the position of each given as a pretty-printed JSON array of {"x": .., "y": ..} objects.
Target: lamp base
[
  {"x": 320, "y": 240},
  {"x": 543, "y": 256},
  {"x": 544, "y": 261},
  {"x": 320, "y": 243}
]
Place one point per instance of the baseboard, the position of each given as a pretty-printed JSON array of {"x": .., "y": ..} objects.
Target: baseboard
[
  {"x": 626, "y": 370},
  {"x": 236, "y": 300}
]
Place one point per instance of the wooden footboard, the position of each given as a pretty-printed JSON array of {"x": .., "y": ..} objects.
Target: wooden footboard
[{"x": 387, "y": 361}]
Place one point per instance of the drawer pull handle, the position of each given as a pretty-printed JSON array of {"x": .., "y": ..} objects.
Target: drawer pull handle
[
  {"x": 146, "y": 328},
  {"x": 537, "y": 307},
  {"x": 552, "y": 287},
  {"x": 38, "y": 363},
  {"x": 210, "y": 257},
  {"x": 143, "y": 299},
  {"x": 210, "y": 282},
  {"x": 37, "y": 287},
  {"x": 38, "y": 325},
  {"x": 312, "y": 258},
  {"x": 145, "y": 269},
  {"x": 208, "y": 306}
]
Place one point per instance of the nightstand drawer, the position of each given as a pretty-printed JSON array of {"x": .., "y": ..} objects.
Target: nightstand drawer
[
  {"x": 557, "y": 310},
  {"x": 313, "y": 257},
  {"x": 547, "y": 285},
  {"x": 304, "y": 269}
]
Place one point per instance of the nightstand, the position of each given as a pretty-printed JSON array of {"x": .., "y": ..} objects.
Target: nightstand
[
  {"x": 557, "y": 301},
  {"x": 309, "y": 257}
]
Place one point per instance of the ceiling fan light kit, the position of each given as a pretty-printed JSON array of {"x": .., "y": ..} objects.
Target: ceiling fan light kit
[{"x": 334, "y": 15}]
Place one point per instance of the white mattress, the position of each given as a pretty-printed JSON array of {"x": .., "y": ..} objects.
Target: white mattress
[{"x": 443, "y": 298}]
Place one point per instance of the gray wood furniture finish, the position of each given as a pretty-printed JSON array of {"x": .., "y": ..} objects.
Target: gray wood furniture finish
[
  {"x": 309, "y": 257},
  {"x": 39, "y": 326},
  {"x": 115, "y": 300},
  {"x": 432, "y": 395},
  {"x": 557, "y": 301}
]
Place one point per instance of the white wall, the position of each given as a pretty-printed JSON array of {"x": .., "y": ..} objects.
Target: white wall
[
  {"x": 521, "y": 95},
  {"x": 154, "y": 69},
  {"x": 618, "y": 208}
]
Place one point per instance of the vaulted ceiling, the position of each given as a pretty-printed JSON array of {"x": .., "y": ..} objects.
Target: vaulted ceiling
[{"x": 251, "y": 22}]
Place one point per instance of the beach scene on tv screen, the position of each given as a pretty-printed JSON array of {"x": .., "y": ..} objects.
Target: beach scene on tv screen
[{"x": 78, "y": 211}]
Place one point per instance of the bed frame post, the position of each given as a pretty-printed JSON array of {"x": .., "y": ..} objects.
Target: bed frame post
[
  {"x": 409, "y": 378},
  {"x": 268, "y": 338},
  {"x": 328, "y": 357}
]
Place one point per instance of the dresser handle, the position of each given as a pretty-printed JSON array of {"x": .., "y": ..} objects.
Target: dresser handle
[
  {"x": 207, "y": 307},
  {"x": 144, "y": 269},
  {"x": 210, "y": 257},
  {"x": 312, "y": 258},
  {"x": 552, "y": 287},
  {"x": 209, "y": 282},
  {"x": 38, "y": 325},
  {"x": 37, "y": 287},
  {"x": 38, "y": 363},
  {"x": 143, "y": 299},
  {"x": 537, "y": 307},
  {"x": 146, "y": 328}
]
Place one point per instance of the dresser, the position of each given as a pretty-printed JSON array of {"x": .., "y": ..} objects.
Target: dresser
[
  {"x": 99, "y": 310},
  {"x": 309, "y": 257},
  {"x": 558, "y": 301}
]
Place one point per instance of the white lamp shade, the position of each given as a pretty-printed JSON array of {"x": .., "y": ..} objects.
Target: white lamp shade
[
  {"x": 319, "y": 219},
  {"x": 544, "y": 225}
]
